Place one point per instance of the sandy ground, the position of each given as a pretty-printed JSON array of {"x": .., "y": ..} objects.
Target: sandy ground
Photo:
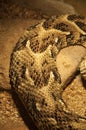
[{"x": 11, "y": 117}]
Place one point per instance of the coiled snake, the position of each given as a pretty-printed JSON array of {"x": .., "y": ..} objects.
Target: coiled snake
[{"x": 34, "y": 74}]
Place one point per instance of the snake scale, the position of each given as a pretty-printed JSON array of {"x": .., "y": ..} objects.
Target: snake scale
[{"x": 34, "y": 74}]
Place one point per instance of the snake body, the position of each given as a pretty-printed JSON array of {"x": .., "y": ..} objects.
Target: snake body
[{"x": 34, "y": 74}]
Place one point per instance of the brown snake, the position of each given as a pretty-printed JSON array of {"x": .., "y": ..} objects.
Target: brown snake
[{"x": 34, "y": 74}]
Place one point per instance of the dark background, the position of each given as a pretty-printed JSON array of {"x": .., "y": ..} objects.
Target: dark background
[{"x": 8, "y": 7}]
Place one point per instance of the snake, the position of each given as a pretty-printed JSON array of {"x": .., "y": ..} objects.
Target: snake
[{"x": 33, "y": 72}]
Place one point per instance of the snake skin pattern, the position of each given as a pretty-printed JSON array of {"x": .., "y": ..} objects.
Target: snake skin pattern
[{"x": 34, "y": 74}]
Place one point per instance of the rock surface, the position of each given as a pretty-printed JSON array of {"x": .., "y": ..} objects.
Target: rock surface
[{"x": 68, "y": 61}]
